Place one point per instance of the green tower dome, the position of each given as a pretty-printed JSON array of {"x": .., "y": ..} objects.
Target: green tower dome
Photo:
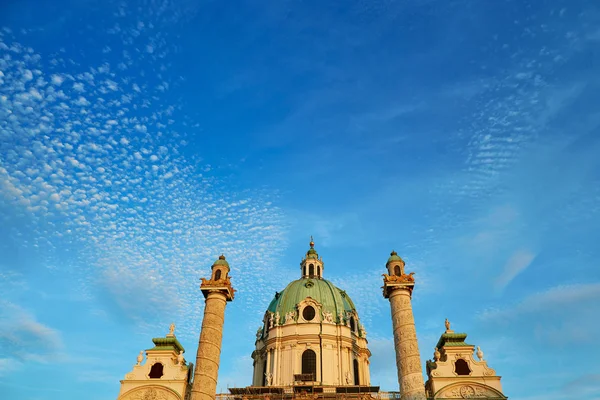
[
  {"x": 331, "y": 297},
  {"x": 394, "y": 257},
  {"x": 221, "y": 261}
]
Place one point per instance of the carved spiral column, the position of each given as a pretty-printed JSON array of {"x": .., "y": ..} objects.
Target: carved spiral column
[
  {"x": 408, "y": 360},
  {"x": 209, "y": 347}
]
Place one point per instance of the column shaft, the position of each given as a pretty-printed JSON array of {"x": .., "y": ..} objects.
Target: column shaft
[
  {"x": 408, "y": 361},
  {"x": 209, "y": 348}
]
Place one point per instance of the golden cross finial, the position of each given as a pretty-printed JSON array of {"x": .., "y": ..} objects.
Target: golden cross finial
[{"x": 312, "y": 243}]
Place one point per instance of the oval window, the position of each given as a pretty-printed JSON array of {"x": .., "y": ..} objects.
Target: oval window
[{"x": 308, "y": 313}]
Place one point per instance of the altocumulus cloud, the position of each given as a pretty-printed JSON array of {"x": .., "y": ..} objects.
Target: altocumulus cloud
[{"x": 88, "y": 162}]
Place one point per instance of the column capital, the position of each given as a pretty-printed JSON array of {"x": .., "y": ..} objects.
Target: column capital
[
  {"x": 222, "y": 286},
  {"x": 402, "y": 282}
]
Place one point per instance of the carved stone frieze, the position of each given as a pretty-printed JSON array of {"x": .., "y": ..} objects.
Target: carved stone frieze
[
  {"x": 405, "y": 278},
  {"x": 468, "y": 391},
  {"x": 152, "y": 393},
  {"x": 407, "y": 350}
]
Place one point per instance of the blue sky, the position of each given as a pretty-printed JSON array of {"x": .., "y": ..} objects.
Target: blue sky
[{"x": 140, "y": 140}]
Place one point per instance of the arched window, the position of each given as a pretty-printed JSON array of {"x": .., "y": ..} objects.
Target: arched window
[
  {"x": 397, "y": 270},
  {"x": 156, "y": 371},
  {"x": 309, "y": 363},
  {"x": 218, "y": 275},
  {"x": 318, "y": 271},
  {"x": 461, "y": 367},
  {"x": 311, "y": 270},
  {"x": 264, "y": 375},
  {"x": 352, "y": 324},
  {"x": 304, "y": 271},
  {"x": 356, "y": 376}
]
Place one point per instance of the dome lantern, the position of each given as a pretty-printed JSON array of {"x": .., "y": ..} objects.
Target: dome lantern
[
  {"x": 311, "y": 265},
  {"x": 395, "y": 264}
]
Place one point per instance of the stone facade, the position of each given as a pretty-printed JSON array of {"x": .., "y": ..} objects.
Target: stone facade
[
  {"x": 332, "y": 331},
  {"x": 164, "y": 375},
  {"x": 455, "y": 374},
  {"x": 278, "y": 354}
]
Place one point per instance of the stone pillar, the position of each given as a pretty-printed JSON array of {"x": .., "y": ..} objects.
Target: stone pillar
[
  {"x": 398, "y": 287},
  {"x": 209, "y": 347},
  {"x": 217, "y": 293},
  {"x": 408, "y": 360}
]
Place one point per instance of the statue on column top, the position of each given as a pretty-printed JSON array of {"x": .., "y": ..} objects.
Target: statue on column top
[
  {"x": 172, "y": 329},
  {"x": 447, "y": 323},
  {"x": 180, "y": 360}
]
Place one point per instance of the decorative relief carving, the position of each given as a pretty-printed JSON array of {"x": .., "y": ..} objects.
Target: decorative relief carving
[
  {"x": 220, "y": 282},
  {"x": 412, "y": 382},
  {"x": 149, "y": 394},
  {"x": 406, "y": 278},
  {"x": 289, "y": 317},
  {"x": 415, "y": 396},
  {"x": 468, "y": 392},
  {"x": 328, "y": 317}
]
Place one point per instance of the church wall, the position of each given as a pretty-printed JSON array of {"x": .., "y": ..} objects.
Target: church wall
[
  {"x": 287, "y": 343},
  {"x": 329, "y": 367}
]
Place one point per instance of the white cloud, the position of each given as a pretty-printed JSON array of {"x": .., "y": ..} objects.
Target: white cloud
[
  {"x": 25, "y": 338},
  {"x": 78, "y": 87},
  {"x": 57, "y": 80},
  {"x": 555, "y": 316},
  {"x": 552, "y": 299},
  {"x": 516, "y": 264}
]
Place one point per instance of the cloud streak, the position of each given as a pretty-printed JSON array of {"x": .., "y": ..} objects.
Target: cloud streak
[{"x": 515, "y": 265}]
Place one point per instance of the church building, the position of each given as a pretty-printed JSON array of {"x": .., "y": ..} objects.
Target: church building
[{"x": 312, "y": 344}]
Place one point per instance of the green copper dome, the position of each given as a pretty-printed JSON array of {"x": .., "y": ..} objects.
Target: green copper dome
[
  {"x": 394, "y": 257},
  {"x": 332, "y": 298},
  {"x": 222, "y": 261}
]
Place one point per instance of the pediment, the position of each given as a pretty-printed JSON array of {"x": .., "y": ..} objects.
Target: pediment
[
  {"x": 468, "y": 390},
  {"x": 153, "y": 392}
]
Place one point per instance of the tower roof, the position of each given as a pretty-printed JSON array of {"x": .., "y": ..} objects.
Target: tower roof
[
  {"x": 394, "y": 257},
  {"x": 221, "y": 261},
  {"x": 452, "y": 340},
  {"x": 166, "y": 343}
]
